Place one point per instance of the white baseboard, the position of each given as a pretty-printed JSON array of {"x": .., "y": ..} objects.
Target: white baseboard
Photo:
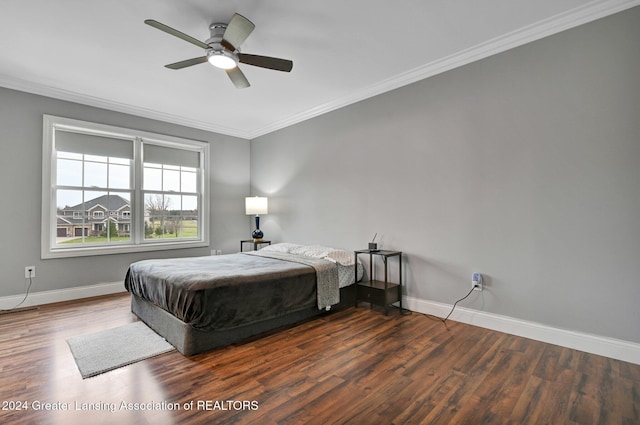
[
  {"x": 58, "y": 295},
  {"x": 604, "y": 346}
]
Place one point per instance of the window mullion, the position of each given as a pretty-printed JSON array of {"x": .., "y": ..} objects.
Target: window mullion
[
  {"x": 107, "y": 221},
  {"x": 137, "y": 216}
]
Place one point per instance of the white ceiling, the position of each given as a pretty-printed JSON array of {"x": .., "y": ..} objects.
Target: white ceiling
[{"x": 100, "y": 53}]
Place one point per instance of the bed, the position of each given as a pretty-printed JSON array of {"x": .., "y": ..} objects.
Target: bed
[{"x": 200, "y": 303}]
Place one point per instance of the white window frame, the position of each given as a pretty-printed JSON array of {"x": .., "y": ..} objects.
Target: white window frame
[{"x": 49, "y": 249}]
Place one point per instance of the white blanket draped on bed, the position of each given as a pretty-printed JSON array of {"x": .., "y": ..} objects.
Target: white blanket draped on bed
[{"x": 326, "y": 275}]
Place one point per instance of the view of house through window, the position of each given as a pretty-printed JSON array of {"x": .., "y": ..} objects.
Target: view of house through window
[
  {"x": 100, "y": 219},
  {"x": 119, "y": 190}
]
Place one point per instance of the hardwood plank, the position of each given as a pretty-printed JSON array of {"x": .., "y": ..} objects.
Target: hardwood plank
[
  {"x": 549, "y": 393},
  {"x": 351, "y": 366}
]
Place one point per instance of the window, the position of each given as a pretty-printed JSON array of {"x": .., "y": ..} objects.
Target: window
[
  {"x": 110, "y": 190},
  {"x": 170, "y": 194}
]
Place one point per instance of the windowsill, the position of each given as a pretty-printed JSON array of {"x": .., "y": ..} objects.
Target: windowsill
[{"x": 119, "y": 249}]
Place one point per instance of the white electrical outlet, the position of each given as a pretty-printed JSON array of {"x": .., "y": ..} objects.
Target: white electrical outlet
[
  {"x": 29, "y": 271},
  {"x": 476, "y": 281}
]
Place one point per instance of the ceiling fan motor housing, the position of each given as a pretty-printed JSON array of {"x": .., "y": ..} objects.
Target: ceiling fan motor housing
[
  {"x": 216, "y": 49},
  {"x": 217, "y": 32}
]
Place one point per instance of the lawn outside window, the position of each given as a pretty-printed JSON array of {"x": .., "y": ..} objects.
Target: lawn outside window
[{"x": 111, "y": 190}]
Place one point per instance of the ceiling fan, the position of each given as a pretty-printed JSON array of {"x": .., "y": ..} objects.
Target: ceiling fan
[{"x": 222, "y": 49}]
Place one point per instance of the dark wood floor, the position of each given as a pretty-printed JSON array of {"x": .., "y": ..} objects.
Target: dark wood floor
[{"x": 354, "y": 366}]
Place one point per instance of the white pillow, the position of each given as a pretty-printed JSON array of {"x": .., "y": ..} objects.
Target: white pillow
[
  {"x": 343, "y": 257},
  {"x": 281, "y": 247},
  {"x": 340, "y": 256},
  {"x": 316, "y": 251}
]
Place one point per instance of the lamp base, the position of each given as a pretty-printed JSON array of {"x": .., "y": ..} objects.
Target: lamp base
[{"x": 257, "y": 235}]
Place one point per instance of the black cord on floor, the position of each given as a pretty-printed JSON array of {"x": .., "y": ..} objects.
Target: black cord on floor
[
  {"x": 456, "y": 303},
  {"x": 452, "y": 308},
  {"x": 24, "y": 299}
]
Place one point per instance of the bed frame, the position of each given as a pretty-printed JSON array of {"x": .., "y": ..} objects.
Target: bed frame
[{"x": 190, "y": 341}]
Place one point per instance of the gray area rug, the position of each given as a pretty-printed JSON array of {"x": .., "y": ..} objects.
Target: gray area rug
[{"x": 103, "y": 351}]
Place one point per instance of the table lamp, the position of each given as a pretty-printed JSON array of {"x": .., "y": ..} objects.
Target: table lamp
[{"x": 256, "y": 205}]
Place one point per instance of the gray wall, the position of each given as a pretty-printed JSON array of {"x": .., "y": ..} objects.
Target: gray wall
[
  {"x": 523, "y": 166},
  {"x": 21, "y": 193}
]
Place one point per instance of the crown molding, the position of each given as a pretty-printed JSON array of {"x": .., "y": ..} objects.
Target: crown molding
[
  {"x": 42, "y": 89},
  {"x": 586, "y": 13},
  {"x": 575, "y": 17}
]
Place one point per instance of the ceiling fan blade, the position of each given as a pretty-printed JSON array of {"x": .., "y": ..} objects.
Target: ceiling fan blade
[
  {"x": 176, "y": 33},
  {"x": 266, "y": 62},
  {"x": 186, "y": 63},
  {"x": 238, "y": 29},
  {"x": 237, "y": 78}
]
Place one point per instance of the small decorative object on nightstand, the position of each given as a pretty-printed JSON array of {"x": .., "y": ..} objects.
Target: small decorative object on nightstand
[
  {"x": 380, "y": 292},
  {"x": 256, "y": 245},
  {"x": 373, "y": 246}
]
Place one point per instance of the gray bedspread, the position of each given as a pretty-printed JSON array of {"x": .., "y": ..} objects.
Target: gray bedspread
[
  {"x": 326, "y": 275},
  {"x": 227, "y": 291}
]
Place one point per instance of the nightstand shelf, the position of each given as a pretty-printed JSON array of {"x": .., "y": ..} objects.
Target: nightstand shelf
[
  {"x": 380, "y": 292},
  {"x": 256, "y": 245}
]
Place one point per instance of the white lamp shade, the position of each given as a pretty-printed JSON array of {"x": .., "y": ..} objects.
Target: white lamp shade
[{"x": 256, "y": 205}]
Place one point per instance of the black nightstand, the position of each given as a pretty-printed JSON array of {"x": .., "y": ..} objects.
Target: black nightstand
[
  {"x": 380, "y": 292},
  {"x": 256, "y": 245}
]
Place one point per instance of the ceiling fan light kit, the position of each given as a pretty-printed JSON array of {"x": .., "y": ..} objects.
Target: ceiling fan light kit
[
  {"x": 222, "y": 49},
  {"x": 222, "y": 59}
]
